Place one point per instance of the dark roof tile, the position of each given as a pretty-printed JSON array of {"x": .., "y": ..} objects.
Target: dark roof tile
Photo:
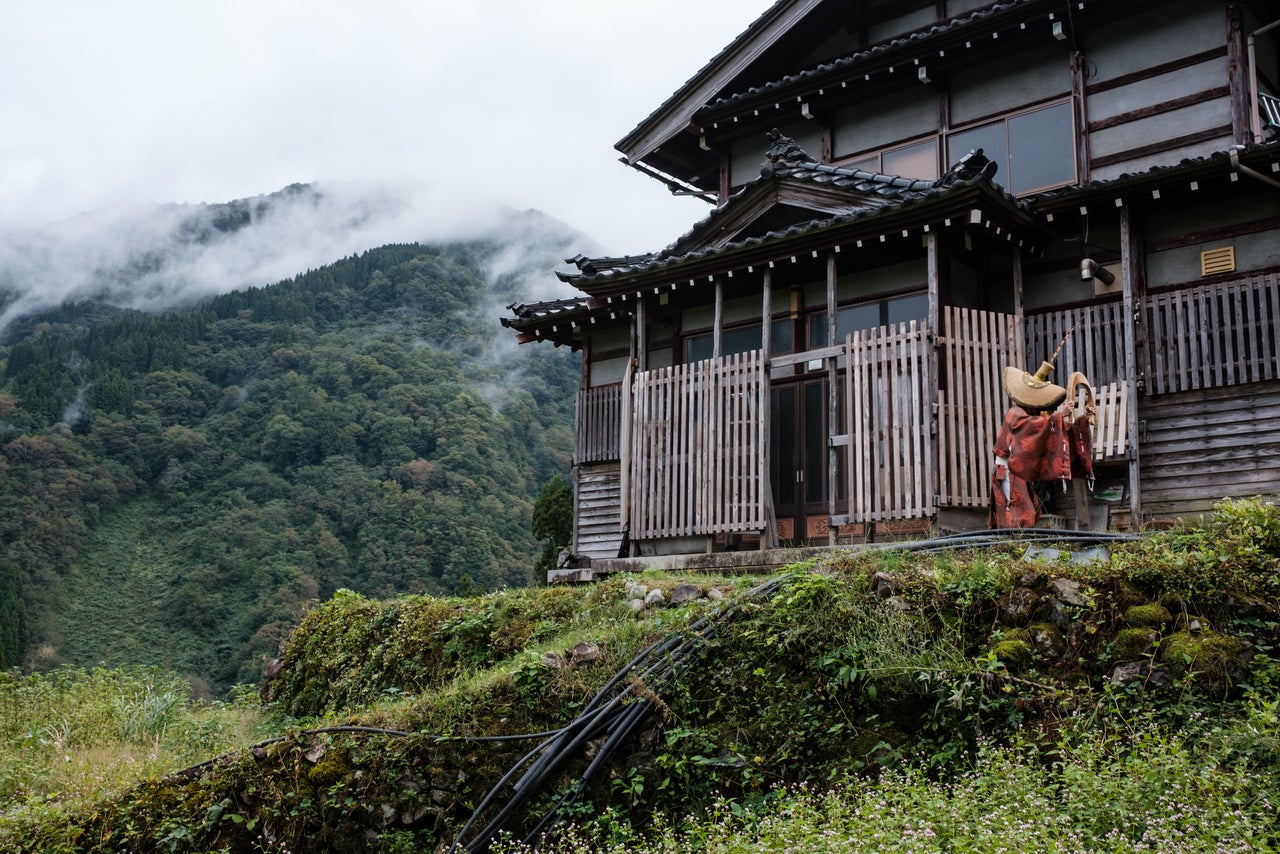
[{"x": 872, "y": 52}]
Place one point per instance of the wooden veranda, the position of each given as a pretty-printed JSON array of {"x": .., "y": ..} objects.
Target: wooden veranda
[{"x": 682, "y": 451}]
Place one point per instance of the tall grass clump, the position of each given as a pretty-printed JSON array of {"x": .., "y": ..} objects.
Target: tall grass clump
[{"x": 72, "y": 736}]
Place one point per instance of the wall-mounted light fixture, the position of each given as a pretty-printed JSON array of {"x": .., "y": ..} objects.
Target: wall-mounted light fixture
[{"x": 1091, "y": 269}]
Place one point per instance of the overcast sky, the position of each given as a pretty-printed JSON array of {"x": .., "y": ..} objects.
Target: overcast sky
[{"x": 514, "y": 102}]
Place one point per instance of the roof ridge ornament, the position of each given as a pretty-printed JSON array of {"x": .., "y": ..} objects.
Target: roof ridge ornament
[
  {"x": 973, "y": 166},
  {"x": 784, "y": 149}
]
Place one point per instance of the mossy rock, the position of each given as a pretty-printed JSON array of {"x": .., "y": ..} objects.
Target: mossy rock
[
  {"x": 1149, "y": 614},
  {"x": 1213, "y": 660},
  {"x": 1048, "y": 639},
  {"x": 332, "y": 768},
  {"x": 1133, "y": 642},
  {"x": 1016, "y": 653}
]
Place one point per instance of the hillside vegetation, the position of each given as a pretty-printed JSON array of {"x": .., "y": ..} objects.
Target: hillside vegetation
[
  {"x": 962, "y": 700},
  {"x": 177, "y": 486}
]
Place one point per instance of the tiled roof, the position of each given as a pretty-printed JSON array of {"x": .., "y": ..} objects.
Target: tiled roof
[
  {"x": 872, "y": 52},
  {"x": 891, "y": 192},
  {"x": 889, "y": 187},
  {"x": 545, "y": 310},
  {"x": 1156, "y": 174}
]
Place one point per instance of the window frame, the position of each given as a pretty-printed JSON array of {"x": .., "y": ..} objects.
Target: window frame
[
  {"x": 687, "y": 338},
  {"x": 944, "y": 157},
  {"x": 849, "y": 161},
  {"x": 1068, "y": 101},
  {"x": 882, "y": 307}
]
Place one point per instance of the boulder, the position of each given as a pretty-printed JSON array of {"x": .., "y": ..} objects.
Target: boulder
[
  {"x": 1069, "y": 592},
  {"x": 1018, "y": 606},
  {"x": 1150, "y": 676},
  {"x": 685, "y": 593},
  {"x": 584, "y": 651}
]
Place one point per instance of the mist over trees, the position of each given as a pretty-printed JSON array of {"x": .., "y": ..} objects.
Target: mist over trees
[{"x": 177, "y": 486}]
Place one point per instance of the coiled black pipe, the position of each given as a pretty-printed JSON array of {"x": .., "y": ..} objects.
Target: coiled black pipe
[{"x": 609, "y": 715}]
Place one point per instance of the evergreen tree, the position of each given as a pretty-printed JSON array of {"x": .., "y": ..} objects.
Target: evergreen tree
[{"x": 553, "y": 522}]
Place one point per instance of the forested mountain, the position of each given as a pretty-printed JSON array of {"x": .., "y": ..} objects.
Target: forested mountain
[{"x": 176, "y": 486}]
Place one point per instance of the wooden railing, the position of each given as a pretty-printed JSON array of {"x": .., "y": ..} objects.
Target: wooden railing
[
  {"x": 696, "y": 458},
  {"x": 1111, "y": 422},
  {"x": 1094, "y": 342},
  {"x": 976, "y": 347},
  {"x": 1213, "y": 335},
  {"x": 887, "y": 400},
  {"x": 599, "y": 420}
]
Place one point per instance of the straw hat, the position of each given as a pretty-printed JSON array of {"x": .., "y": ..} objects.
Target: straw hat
[{"x": 1033, "y": 391}]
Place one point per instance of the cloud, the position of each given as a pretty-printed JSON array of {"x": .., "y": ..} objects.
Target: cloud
[
  {"x": 493, "y": 101},
  {"x": 160, "y": 257}
]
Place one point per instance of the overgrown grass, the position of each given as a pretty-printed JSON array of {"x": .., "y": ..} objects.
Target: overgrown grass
[
  {"x": 897, "y": 700},
  {"x": 71, "y": 737},
  {"x": 1156, "y": 791}
]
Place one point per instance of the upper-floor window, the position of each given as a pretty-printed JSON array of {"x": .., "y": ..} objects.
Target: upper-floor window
[
  {"x": 738, "y": 339},
  {"x": 1035, "y": 148},
  {"x": 868, "y": 315},
  {"x": 917, "y": 159}
]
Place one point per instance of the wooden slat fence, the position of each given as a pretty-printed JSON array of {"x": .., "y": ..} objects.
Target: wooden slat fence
[
  {"x": 599, "y": 419},
  {"x": 890, "y": 453},
  {"x": 696, "y": 458},
  {"x": 1111, "y": 424},
  {"x": 1213, "y": 335},
  {"x": 1095, "y": 345},
  {"x": 976, "y": 348}
]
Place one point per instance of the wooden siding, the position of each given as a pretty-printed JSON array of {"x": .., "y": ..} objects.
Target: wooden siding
[
  {"x": 1094, "y": 342},
  {"x": 1159, "y": 89},
  {"x": 1213, "y": 335},
  {"x": 976, "y": 348},
  {"x": 887, "y": 399},
  {"x": 599, "y": 424},
  {"x": 696, "y": 455},
  {"x": 1201, "y": 446},
  {"x": 596, "y": 511}
]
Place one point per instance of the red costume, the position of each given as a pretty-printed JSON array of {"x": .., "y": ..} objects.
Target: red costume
[{"x": 1035, "y": 447}]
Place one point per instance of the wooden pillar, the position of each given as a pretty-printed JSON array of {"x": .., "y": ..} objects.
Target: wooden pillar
[
  {"x": 934, "y": 321},
  {"x": 624, "y": 454},
  {"x": 1078, "y": 74},
  {"x": 1243, "y": 101},
  {"x": 1017, "y": 292},
  {"x": 633, "y": 363},
  {"x": 641, "y": 327},
  {"x": 769, "y": 536},
  {"x": 717, "y": 327},
  {"x": 1133, "y": 272},
  {"x": 833, "y": 414}
]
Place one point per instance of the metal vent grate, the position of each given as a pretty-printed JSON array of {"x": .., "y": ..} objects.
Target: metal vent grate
[{"x": 1220, "y": 260}]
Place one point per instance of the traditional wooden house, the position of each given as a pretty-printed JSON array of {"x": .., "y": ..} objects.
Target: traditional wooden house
[{"x": 819, "y": 358}]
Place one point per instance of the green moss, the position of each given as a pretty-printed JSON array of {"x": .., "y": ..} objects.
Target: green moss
[
  {"x": 1209, "y": 658},
  {"x": 1015, "y": 653},
  {"x": 332, "y": 768},
  {"x": 1133, "y": 642},
  {"x": 1151, "y": 614}
]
